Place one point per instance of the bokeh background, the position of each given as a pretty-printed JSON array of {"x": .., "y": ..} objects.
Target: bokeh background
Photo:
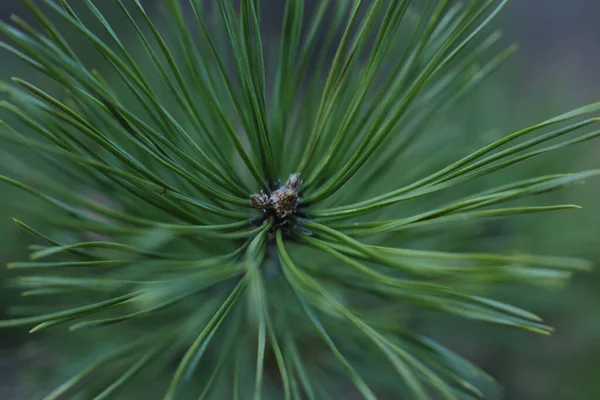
[{"x": 556, "y": 69}]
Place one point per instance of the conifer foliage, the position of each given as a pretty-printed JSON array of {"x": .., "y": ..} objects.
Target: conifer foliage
[{"x": 233, "y": 215}]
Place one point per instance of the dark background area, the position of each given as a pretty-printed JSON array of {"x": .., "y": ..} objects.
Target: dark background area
[{"x": 557, "y": 68}]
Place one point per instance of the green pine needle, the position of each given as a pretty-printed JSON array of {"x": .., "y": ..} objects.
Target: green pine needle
[{"x": 225, "y": 214}]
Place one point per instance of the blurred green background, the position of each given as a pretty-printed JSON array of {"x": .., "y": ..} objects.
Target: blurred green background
[{"x": 556, "y": 69}]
